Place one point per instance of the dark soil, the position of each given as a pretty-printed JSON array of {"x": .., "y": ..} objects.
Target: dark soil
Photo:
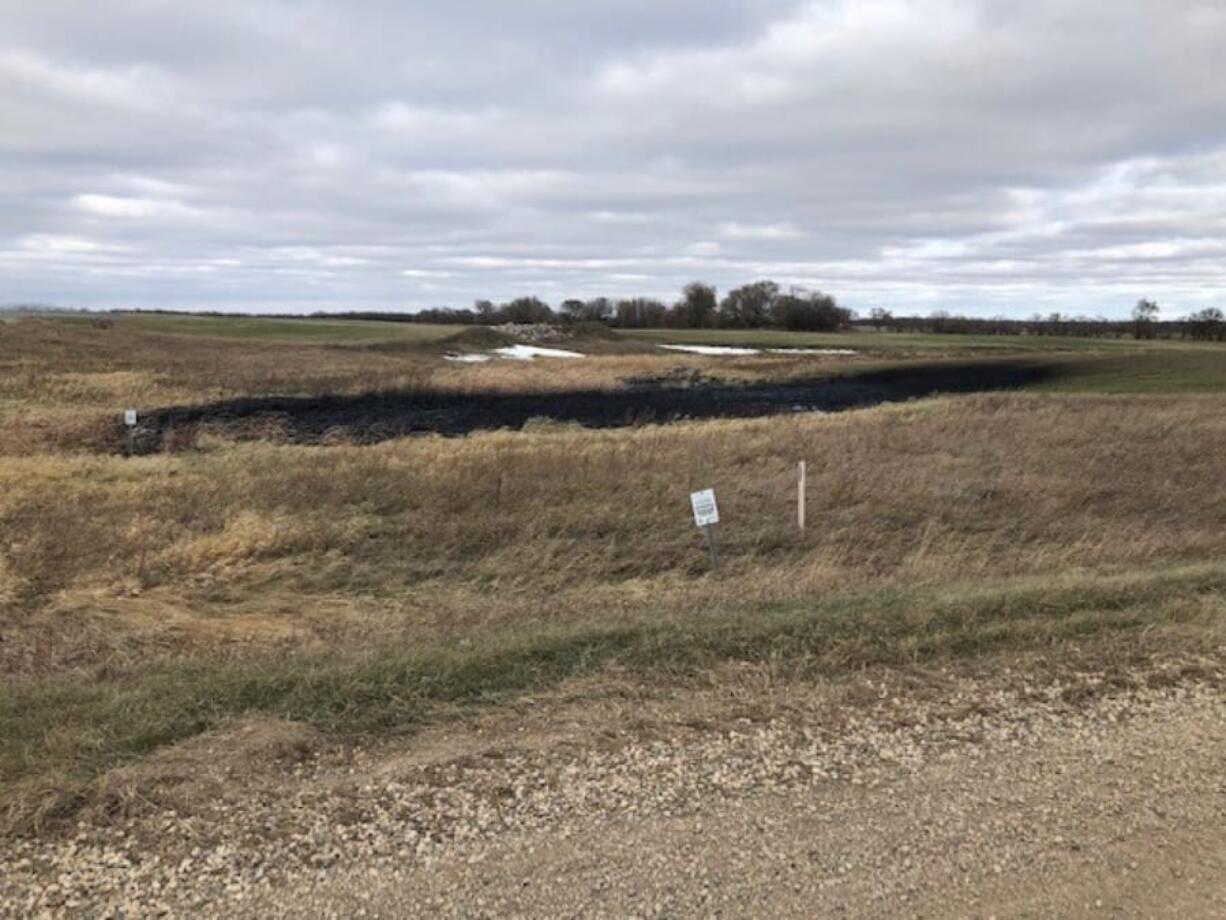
[{"x": 373, "y": 417}]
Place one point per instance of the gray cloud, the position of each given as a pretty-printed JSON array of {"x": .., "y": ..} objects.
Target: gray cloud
[{"x": 990, "y": 156}]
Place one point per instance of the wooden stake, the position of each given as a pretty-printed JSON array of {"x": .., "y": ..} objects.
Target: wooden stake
[{"x": 800, "y": 496}]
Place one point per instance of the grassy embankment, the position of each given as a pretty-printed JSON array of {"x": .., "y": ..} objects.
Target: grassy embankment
[
  {"x": 361, "y": 588},
  {"x": 371, "y": 589}
]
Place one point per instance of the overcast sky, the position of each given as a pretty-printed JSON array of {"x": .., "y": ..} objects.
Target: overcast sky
[{"x": 982, "y": 156}]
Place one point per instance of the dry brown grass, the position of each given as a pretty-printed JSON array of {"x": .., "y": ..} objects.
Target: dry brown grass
[
  {"x": 57, "y": 378},
  {"x": 429, "y": 537},
  {"x": 143, "y": 600}
]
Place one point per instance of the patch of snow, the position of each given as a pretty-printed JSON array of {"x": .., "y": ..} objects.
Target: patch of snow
[
  {"x": 742, "y": 350},
  {"x": 466, "y": 359},
  {"x": 528, "y": 352},
  {"x": 713, "y": 349},
  {"x": 811, "y": 351}
]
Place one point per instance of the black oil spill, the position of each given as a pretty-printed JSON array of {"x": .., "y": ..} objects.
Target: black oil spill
[{"x": 373, "y": 417}]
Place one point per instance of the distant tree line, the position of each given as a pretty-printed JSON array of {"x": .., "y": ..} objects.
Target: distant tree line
[
  {"x": 1208, "y": 325},
  {"x": 760, "y": 305},
  {"x": 767, "y": 305}
]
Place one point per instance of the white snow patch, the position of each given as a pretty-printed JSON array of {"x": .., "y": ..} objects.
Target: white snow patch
[
  {"x": 811, "y": 351},
  {"x": 528, "y": 352},
  {"x": 713, "y": 349},
  {"x": 741, "y": 350},
  {"x": 466, "y": 359}
]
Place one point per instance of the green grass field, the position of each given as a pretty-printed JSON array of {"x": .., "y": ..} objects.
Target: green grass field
[
  {"x": 884, "y": 343},
  {"x": 322, "y": 331},
  {"x": 1079, "y": 365},
  {"x": 1170, "y": 370},
  {"x": 349, "y": 331}
]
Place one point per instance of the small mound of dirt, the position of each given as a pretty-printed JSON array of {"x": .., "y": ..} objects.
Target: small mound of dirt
[
  {"x": 533, "y": 333},
  {"x": 598, "y": 331},
  {"x": 599, "y": 339}
]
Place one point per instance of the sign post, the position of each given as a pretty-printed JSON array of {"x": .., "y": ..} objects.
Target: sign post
[
  {"x": 129, "y": 420},
  {"x": 706, "y": 516},
  {"x": 712, "y": 546}
]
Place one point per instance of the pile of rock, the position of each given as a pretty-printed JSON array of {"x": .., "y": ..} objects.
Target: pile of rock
[{"x": 535, "y": 332}]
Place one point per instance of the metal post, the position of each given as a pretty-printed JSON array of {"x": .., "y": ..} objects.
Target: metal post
[{"x": 712, "y": 546}]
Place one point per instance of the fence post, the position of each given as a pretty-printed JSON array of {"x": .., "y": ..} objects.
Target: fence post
[{"x": 800, "y": 496}]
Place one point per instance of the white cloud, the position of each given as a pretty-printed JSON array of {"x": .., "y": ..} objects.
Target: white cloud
[
  {"x": 131, "y": 84},
  {"x": 409, "y": 120},
  {"x": 972, "y": 154},
  {"x": 126, "y": 207},
  {"x": 57, "y": 243},
  {"x": 426, "y": 273},
  {"x": 738, "y": 231}
]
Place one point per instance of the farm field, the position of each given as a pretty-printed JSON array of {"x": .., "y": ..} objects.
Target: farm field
[
  {"x": 353, "y": 596},
  {"x": 1171, "y": 371},
  {"x": 335, "y": 331},
  {"x": 900, "y": 343}
]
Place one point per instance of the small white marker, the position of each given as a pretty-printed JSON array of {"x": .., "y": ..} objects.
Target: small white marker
[
  {"x": 706, "y": 516},
  {"x": 800, "y": 495},
  {"x": 705, "y": 511},
  {"x": 129, "y": 417}
]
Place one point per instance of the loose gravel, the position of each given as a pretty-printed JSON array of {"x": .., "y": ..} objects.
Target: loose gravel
[{"x": 990, "y": 794}]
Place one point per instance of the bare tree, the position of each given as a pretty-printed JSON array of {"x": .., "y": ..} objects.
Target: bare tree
[
  {"x": 697, "y": 305},
  {"x": 749, "y": 306},
  {"x": 526, "y": 310},
  {"x": 880, "y": 318},
  {"x": 809, "y": 311},
  {"x": 487, "y": 313},
  {"x": 639, "y": 312},
  {"x": 1208, "y": 325},
  {"x": 1144, "y": 315}
]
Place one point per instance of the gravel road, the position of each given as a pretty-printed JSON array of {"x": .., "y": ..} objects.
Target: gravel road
[{"x": 991, "y": 798}]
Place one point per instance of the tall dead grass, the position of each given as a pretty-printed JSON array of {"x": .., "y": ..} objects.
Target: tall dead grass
[
  {"x": 143, "y": 600},
  {"x": 432, "y": 537}
]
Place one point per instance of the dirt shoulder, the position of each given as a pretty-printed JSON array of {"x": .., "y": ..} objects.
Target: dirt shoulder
[{"x": 924, "y": 795}]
